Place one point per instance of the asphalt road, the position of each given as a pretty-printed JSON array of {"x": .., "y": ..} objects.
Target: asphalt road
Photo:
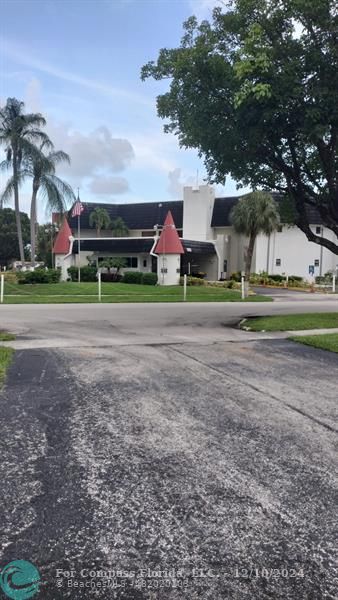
[
  {"x": 70, "y": 325},
  {"x": 180, "y": 469}
]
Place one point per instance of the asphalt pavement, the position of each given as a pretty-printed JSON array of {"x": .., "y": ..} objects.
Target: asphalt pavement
[{"x": 195, "y": 462}]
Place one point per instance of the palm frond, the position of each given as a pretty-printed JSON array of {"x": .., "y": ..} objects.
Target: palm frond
[
  {"x": 5, "y": 165},
  {"x": 59, "y": 156},
  {"x": 7, "y": 193},
  {"x": 36, "y": 119},
  {"x": 56, "y": 192}
]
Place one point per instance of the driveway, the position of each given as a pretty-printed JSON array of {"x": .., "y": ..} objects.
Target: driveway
[{"x": 169, "y": 469}]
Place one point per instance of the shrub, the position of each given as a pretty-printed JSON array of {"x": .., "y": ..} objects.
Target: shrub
[
  {"x": 295, "y": 278},
  {"x": 10, "y": 276},
  {"x": 236, "y": 276},
  {"x": 132, "y": 277},
  {"x": 232, "y": 284},
  {"x": 277, "y": 278},
  {"x": 39, "y": 276},
  {"x": 87, "y": 273},
  {"x": 149, "y": 278},
  {"x": 111, "y": 277},
  {"x": 193, "y": 281}
]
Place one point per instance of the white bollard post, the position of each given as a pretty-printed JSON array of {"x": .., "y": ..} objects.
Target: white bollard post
[
  {"x": 243, "y": 287},
  {"x": 334, "y": 284},
  {"x": 2, "y": 285},
  {"x": 184, "y": 288},
  {"x": 99, "y": 283}
]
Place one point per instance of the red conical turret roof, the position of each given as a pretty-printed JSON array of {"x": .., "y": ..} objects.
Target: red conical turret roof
[
  {"x": 62, "y": 243},
  {"x": 169, "y": 242}
]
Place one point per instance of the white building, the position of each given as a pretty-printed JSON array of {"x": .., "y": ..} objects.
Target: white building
[{"x": 208, "y": 240}]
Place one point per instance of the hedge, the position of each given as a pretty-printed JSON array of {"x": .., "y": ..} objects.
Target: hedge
[
  {"x": 87, "y": 273},
  {"x": 132, "y": 277},
  {"x": 149, "y": 278},
  {"x": 39, "y": 276}
]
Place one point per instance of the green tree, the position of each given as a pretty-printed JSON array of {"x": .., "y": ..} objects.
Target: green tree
[
  {"x": 45, "y": 238},
  {"x": 9, "y": 246},
  {"x": 45, "y": 185},
  {"x": 256, "y": 93},
  {"x": 99, "y": 219},
  {"x": 54, "y": 191},
  {"x": 116, "y": 263},
  {"x": 119, "y": 227},
  {"x": 20, "y": 133},
  {"x": 253, "y": 214}
]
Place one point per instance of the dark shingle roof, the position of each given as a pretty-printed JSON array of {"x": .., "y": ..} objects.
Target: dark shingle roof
[
  {"x": 144, "y": 215},
  {"x": 141, "y": 215},
  {"x": 135, "y": 245},
  {"x": 223, "y": 207},
  {"x": 198, "y": 247},
  {"x": 129, "y": 245}
]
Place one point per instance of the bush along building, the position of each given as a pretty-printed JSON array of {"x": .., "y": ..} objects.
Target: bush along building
[{"x": 192, "y": 236}]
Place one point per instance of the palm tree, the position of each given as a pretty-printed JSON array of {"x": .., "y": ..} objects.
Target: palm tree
[
  {"x": 41, "y": 169},
  {"x": 20, "y": 133},
  {"x": 117, "y": 263},
  {"x": 99, "y": 219},
  {"x": 119, "y": 227},
  {"x": 253, "y": 214},
  {"x": 53, "y": 190}
]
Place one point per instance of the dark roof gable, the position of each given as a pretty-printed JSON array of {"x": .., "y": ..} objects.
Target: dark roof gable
[{"x": 141, "y": 215}]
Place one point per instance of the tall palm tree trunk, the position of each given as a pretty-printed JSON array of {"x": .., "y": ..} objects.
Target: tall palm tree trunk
[
  {"x": 17, "y": 207},
  {"x": 33, "y": 223},
  {"x": 248, "y": 261}
]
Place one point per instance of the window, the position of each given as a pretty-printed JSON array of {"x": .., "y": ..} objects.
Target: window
[
  {"x": 130, "y": 261},
  {"x": 278, "y": 262},
  {"x": 145, "y": 262},
  {"x": 317, "y": 262},
  {"x": 318, "y": 230}
]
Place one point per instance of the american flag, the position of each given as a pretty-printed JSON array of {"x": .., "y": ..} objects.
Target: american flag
[{"x": 78, "y": 208}]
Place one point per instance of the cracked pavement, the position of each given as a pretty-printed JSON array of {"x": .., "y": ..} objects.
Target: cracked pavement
[{"x": 181, "y": 470}]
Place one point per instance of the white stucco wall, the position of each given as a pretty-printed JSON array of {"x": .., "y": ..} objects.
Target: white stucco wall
[
  {"x": 63, "y": 263},
  {"x": 295, "y": 252},
  {"x": 168, "y": 269},
  {"x": 198, "y": 203}
]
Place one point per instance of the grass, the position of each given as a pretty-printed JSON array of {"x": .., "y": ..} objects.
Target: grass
[
  {"x": 6, "y": 337},
  {"x": 118, "y": 292},
  {"x": 292, "y": 322},
  {"x": 328, "y": 341},
  {"x": 6, "y": 355}
]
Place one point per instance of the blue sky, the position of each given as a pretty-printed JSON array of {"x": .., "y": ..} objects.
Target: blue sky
[{"x": 78, "y": 62}]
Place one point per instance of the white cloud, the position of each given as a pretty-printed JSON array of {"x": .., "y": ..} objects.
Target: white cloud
[
  {"x": 176, "y": 182},
  {"x": 108, "y": 185},
  {"x": 90, "y": 153}
]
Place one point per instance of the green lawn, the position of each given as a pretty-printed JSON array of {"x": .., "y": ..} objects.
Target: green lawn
[
  {"x": 292, "y": 322},
  {"x": 118, "y": 292},
  {"x": 6, "y": 355},
  {"x": 329, "y": 341},
  {"x": 6, "y": 337}
]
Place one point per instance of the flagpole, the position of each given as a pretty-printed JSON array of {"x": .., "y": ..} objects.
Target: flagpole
[{"x": 78, "y": 237}]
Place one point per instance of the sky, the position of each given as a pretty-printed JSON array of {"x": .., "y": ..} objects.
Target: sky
[{"x": 78, "y": 62}]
